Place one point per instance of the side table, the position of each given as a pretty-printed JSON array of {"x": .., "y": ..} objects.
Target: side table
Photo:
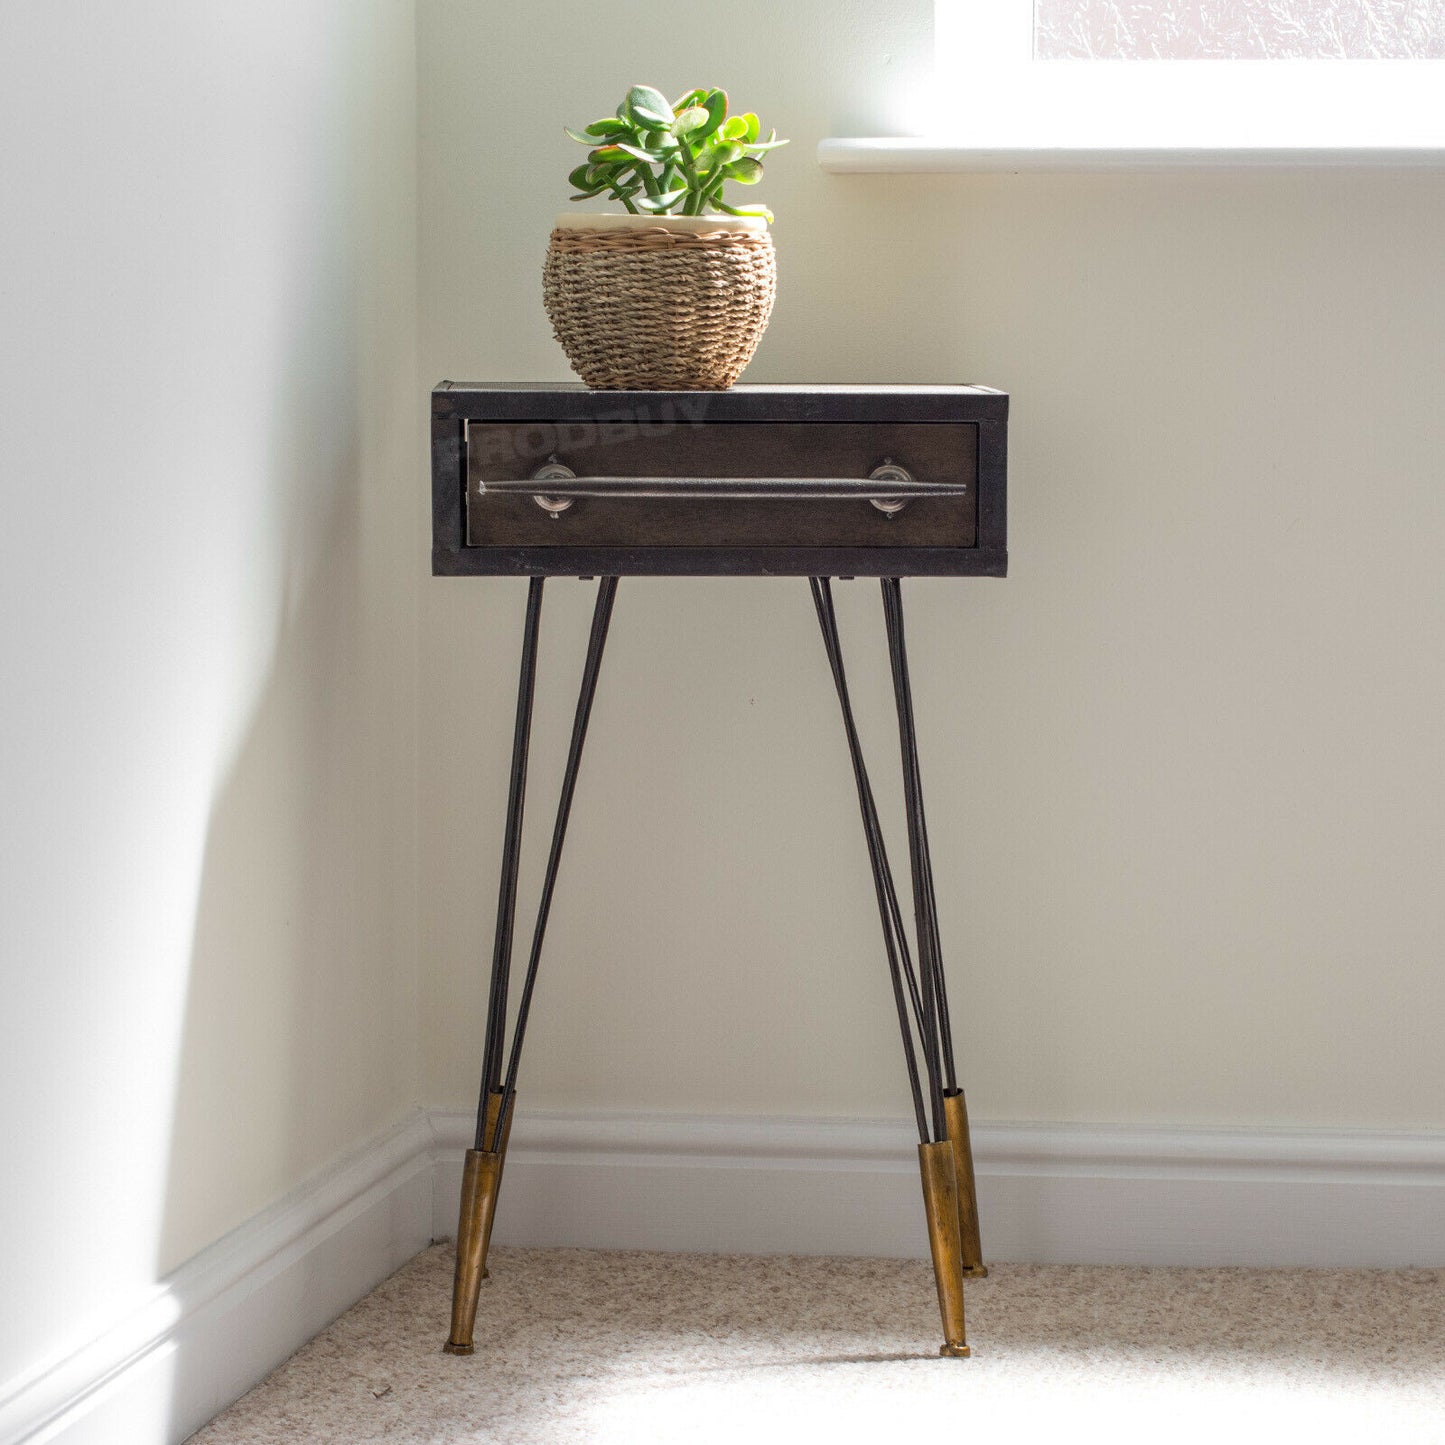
[{"x": 773, "y": 481}]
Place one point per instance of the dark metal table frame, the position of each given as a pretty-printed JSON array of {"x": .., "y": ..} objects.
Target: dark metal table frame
[{"x": 916, "y": 972}]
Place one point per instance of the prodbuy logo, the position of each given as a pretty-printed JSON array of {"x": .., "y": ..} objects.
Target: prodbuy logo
[{"x": 501, "y": 444}]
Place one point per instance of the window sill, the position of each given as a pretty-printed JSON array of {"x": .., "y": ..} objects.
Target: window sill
[{"x": 916, "y": 155}]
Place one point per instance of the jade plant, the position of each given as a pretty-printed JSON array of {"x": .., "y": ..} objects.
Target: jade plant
[{"x": 660, "y": 159}]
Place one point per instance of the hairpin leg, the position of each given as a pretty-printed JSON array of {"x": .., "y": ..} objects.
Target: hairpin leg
[
  {"x": 920, "y": 998},
  {"x": 895, "y": 942},
  {"x": 482, "y": 1172},
  {"x": 930, "y": 951}
]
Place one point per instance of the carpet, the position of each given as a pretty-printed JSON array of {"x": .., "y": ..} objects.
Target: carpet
[{"x": 613, "y": 1347}]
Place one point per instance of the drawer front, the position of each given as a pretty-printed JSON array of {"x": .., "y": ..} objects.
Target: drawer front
[{"x": 940, "y": 452}]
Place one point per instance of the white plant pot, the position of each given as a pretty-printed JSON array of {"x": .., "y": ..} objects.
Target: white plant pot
[{"x": 686, "y": 225}]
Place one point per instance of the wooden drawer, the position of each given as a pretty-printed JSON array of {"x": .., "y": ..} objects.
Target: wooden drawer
[
  {"x": 942, "y": 452},
  {"x": 802, "y": 445}
]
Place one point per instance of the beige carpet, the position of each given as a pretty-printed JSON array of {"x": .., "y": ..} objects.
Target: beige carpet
[{"x": 579, "y": 1345}]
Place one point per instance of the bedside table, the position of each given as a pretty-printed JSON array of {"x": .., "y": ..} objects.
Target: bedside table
[{"x": 759, "y": 481}]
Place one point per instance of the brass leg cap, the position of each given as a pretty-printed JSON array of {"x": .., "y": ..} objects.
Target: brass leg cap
[
  {"x": 975, "y": 1271},
  {"x": 955, "y": 1352},
  {"x": 451, "y": 1349}
]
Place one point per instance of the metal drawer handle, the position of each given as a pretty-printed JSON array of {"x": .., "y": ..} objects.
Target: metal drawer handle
[
  {"x": 889, "y": 487},
  {"x": 554, "y": 471},
  {"x": 890, "y": 471}
]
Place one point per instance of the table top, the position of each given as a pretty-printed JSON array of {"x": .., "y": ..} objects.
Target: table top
[{"x": 779, "y": 402}]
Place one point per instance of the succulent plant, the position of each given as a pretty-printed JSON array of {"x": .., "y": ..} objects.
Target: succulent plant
[{"x": 662, "y": 159}]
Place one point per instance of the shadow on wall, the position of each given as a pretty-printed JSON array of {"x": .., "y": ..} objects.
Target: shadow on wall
[
  {"x": 293, "y": 1046},
  {"x": 283, "y": 907}
]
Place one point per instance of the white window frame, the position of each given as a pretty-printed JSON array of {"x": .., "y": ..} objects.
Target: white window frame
[{"x": 994, "y": 104}]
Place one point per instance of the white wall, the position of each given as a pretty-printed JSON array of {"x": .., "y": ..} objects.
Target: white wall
[
  {"x": 210, "y": 450},
  {"x": 1183, "y": 766}
]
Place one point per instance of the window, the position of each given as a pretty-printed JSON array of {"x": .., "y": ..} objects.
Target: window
[
  {"x": 1212, "y": 75},
  {"x": 1079, "y": 82},
  {"x": 1239, "y": 30}
]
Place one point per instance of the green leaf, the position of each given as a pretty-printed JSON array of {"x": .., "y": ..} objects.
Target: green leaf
[
  {"x": 725, "y": 154},
  {"x": 716, "y": 102},
  {"x": 648, "y": 107},
  {"x": 762, "y": 211},
  {"x": 581, "y": 178},
  {"x": 656, "y": 204},
  {"x": 589, "y": 195},
  {"x": 586, "y": 140},
  {"x": 747, "y": 171},
  {"x": 755, "y": 127},
  {"x": 689, "y": 119},
  {"x": 691, "y": 98},
  {"x": 735, "y": 127},
  {"x": 653, "y": 158},
  {"x": 765, "y": 145},
  {"x": 608, "y": 125}
]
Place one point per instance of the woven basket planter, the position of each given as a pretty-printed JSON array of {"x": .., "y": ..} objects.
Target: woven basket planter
[{"x": 643, "y": 307}]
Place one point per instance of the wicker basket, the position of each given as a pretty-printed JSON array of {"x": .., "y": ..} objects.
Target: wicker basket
[{"x": 659, "y": 310}]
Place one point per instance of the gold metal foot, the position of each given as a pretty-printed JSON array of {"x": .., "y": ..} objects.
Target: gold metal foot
[
  {"x": 940, "y": 1202},
  {"x": 481, "y": 1181},
  {"x": 955, "y": 1352},
  {"x": 474, "y": 1228},
  {"x": 955, "y": 1118}
]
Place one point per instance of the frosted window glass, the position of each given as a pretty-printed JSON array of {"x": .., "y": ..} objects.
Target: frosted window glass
[{"x": 1239, "y": 29}]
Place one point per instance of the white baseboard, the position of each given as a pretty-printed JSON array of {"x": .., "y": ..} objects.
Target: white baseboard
[
  {"x": 1047, "y": 1193},
  {"x": 226, "y": 1318}
]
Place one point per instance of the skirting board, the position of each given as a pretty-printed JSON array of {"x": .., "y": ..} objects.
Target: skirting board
[
  {"x": 1048, "y": 1193},
  {"x": 226, "y": 1318}
]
